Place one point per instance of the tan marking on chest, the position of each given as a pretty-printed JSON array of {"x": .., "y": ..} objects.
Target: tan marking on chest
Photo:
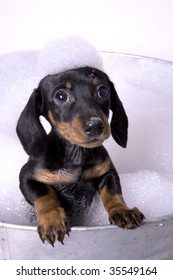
[
  {"x": 61, "y": 176},
  {"x": 97, "y": 170}
]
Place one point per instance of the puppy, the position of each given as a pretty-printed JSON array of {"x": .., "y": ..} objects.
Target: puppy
[{"x": 67, "y": 167}]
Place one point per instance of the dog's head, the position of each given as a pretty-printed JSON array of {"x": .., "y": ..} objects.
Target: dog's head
[{"x": 76, "y": 103}]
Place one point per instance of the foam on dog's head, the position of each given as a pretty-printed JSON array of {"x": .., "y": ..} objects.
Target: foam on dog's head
[{"x": 67, "y": 53}]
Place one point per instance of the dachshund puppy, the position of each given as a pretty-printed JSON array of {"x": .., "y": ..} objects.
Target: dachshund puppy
[{"x": 69, "y": 165}]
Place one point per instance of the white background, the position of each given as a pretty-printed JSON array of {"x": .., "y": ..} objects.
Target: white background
[{"x": 142, "y": 27}]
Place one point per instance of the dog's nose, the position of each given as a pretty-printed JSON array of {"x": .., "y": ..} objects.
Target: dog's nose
[{"x": 94, "y": 126}]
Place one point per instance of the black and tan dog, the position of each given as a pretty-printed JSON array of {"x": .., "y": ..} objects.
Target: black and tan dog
[{"x": 69, "y": 165}]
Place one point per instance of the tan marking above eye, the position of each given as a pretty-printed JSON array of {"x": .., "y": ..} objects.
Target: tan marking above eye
[
  {"x": 94, "y": 82},
  {"x": 68, "y": 85}
]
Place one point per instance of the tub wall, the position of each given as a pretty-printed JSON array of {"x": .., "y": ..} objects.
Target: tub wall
[{"x": 129, "y": 26}]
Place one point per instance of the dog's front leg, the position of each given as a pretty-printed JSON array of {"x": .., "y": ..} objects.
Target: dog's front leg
[
  {"x": 51, "y": 216},
  {"x": 119, "y": 213},
  {"x": 52, "y": 220}
]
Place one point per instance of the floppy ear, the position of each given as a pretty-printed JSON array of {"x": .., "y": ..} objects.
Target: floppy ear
[
  {"x": 29, "y": 129},
  {"x": 119, "y": 122}
]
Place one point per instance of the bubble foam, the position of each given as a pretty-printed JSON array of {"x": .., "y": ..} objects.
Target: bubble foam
[{"x": 67, "y": 53}]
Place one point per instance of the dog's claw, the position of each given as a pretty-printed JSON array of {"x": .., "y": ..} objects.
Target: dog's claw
[
  {"x": 39, "y": 230},
  {"x": 51, "y": 237},
  {"x": 53, "y": 226}
]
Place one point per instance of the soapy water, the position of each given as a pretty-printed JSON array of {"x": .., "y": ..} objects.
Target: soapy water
[{"x": 145, "y": 167}]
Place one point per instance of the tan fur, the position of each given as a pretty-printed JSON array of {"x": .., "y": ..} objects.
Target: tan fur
[
  {"x": 51, "y": 118},
  {"x": 95, "y": 82},
  {"x": 119, "y": 213},
  {"x": 97, "y": 170},
  {"x": 112, "y": 202},
  {"x": 68, "y": 85},
  {"x": 60, "y": 176},
  {"x": 52, "y": 222},
  {"x": 74, "y": 133}
]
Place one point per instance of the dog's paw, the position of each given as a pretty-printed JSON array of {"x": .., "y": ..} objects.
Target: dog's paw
[
  {"x": 53, "y": 226},
  {"x": 126, "y": 218}
]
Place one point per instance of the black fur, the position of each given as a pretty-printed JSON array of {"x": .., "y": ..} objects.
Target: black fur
[{"x": 90, "y": 95}]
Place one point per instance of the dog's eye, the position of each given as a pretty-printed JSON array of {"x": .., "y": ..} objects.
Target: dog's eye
[
  {"x": 102, "y": 92},
  {"x": 62, "y": 96}
]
